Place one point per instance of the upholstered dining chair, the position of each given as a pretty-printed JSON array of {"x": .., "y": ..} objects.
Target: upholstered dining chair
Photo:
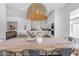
[
  {"x": 57, "y": 51},
  {"x": 7, "y": 53},
  {"x": 1, "y": 54},
  {"x": 63, "y": 52},
  {"x": 34, "y": 52}
]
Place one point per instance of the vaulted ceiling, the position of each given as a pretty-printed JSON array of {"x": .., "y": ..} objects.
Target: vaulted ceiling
[{"x": 20, "y": 9}]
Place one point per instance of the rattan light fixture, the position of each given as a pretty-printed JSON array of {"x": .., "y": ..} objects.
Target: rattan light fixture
[{"x": 37, "y": 12}]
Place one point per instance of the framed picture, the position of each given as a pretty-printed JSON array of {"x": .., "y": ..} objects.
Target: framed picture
[{"x": 12, "y": 26}]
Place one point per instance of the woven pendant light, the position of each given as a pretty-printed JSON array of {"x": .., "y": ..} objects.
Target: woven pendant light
[{"x": 37, "y": 12}]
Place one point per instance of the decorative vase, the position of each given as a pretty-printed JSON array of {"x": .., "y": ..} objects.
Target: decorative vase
[{"x": 39, "y": 39}]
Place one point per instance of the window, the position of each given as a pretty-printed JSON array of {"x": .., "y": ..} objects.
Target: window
[
  {"x": 74, "y": 23},
  {"x": 75, "y": 30}
]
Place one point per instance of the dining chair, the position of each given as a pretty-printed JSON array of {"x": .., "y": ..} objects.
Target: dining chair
[
  {"x": 42, "y": 52},
  {"x": 63, "y": 52},
  {"x": 56, "y": 52},
  {"x": 1, "y": 54},
  {"x": 8, "y": 53},
  {"x": 34, "y": 52},
  {"x": 49, "y": 53}
]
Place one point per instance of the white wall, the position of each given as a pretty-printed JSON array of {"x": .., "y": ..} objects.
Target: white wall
[
  {"x": 74, "y": 13},
  {"x": 20, "y": 23},
  {"x": 62, "y": 20},
  {"x": 50, "y": 20},
  {"x": 61, "y": 23},
  {"x": 2, "y": 21}
]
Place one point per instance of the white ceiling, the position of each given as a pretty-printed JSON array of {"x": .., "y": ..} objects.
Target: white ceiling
[{"x": 20, "y": 9}]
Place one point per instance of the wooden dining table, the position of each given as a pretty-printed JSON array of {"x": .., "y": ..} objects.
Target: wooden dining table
[{"x": 19, "y": 44}]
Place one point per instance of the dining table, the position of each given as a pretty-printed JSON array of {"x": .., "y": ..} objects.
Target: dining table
[{"x": 19, "y": 44}]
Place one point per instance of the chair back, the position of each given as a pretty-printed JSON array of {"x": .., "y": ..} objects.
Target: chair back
[
  {"x": 34, "y": 52},
  {"x": 8, "y": 53},
  {"x": 62, "y": 51},
  {"x": 67, "y": 51},
  {"x": 42, "y": 52},
  {"x": 1, "y": 54},
  {"x": 57, "y": 52}
]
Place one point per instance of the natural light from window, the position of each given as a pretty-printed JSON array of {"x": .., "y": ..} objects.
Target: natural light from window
[{"x": 74, "y": 23}]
